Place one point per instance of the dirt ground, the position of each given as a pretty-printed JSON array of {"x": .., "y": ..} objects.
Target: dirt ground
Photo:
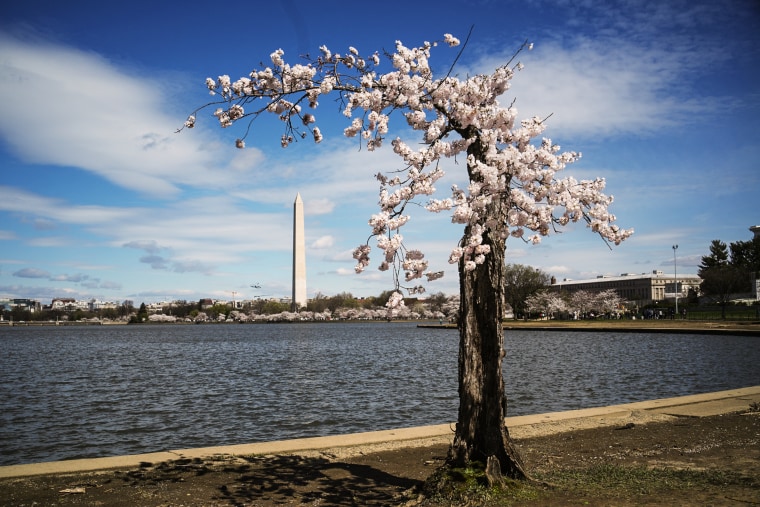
[{"x": 714, "y": 461}]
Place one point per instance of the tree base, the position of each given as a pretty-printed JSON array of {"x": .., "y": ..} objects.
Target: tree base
[{"x": 478, "y": 484}]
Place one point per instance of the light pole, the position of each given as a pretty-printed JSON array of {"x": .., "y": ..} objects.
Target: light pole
[{"x": 675, "y": 274}]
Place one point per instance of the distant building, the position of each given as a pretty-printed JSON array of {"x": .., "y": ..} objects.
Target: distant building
[
  {"x": 156, "y": 307},
  {"x": 97, "y": 305},
  {"x": 69, "y": 304},
  {"x": 640, "y": 289},
  {"x": 755, "y": 229},
  {"x": 25, "y": 304}
]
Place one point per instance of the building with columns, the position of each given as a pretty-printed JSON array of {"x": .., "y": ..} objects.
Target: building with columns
[{"x": 640, "y": 289}]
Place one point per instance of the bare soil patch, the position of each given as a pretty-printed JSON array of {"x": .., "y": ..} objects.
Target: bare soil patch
[{"x": 660, "y": 460}]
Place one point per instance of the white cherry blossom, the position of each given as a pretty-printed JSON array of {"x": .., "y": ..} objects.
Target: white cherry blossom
[{"x": 514, "y": 163}]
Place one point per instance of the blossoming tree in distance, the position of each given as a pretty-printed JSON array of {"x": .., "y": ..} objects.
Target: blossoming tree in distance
[{"x": 513, "y": 191}]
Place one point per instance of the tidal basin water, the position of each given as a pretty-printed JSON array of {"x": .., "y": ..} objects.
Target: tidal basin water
[{"x": 77, "y": 392}]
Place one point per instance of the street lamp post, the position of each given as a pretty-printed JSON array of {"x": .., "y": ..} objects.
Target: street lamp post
[{"x": 675, "y": 274}]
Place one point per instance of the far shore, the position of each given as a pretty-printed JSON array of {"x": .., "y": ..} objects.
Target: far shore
[
  {"x": 717, "y": 327},
  {"x": 746, "y": 327}
]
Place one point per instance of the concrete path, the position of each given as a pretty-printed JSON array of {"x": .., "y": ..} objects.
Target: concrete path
[{"x": 698, "y": 405}]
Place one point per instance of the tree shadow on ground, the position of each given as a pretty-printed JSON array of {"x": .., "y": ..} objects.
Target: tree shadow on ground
[
  {"x": 267, "y": 481},
  {"x": 312, "y": 480}
]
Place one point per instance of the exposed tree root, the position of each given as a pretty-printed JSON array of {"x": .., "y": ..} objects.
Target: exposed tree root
[{"x": 478, "y": 484}]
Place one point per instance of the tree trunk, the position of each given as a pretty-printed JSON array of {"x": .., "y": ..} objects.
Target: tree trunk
[{"x": 481, "y": 432}]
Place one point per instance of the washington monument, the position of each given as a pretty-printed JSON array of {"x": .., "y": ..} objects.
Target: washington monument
[{"x": 299, "y": 256}]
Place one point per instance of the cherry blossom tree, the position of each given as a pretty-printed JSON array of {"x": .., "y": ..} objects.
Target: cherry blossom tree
[
  {"x": 602, "y": 302},
  {"x": 581, "y": 302},
  {"x": 549, "y": 302},
  {"x": 608, "y": 301},
  {"x": 514, "y": 191}
]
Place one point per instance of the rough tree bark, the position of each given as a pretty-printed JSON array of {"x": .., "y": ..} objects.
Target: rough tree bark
[{"x": 481, "y": 432}]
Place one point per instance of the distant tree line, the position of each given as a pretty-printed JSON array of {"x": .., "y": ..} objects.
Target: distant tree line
[
  {"x": 341, "y": 306},
  {"x": 729, "y": 271},
  {"x": 726, "y": 271}
]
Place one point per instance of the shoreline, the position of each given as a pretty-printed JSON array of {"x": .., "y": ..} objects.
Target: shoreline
[
  {"x": 697, "y": 405},
  {"x": 751, "y": 327},
  {"x": 737, "y": 328}
]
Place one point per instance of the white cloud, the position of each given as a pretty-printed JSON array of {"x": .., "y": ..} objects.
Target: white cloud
[
  {"x": 49, "y": 209},
  {"x": 599, "y": 90},
  {"x": 557, "y": 269},
  {"x": 191, "y": 235},
  {"x": 625, "y": 68},
  {"x": 322, "y": 243},
  {"x": 85, "y": 112},
  {"x": 319, "y": 206},
  {"x": 51, "y": 241}
]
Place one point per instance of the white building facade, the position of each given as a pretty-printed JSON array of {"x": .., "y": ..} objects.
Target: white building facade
[{"x": 640, "y": 289}]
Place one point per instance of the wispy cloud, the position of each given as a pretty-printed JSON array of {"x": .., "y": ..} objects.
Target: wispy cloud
[
  {"x": 31, "y": 273},
  {"x": 112, "y": 122},
  {"x": 636, "y": 75},
  {"x": 81, "y": 279}
]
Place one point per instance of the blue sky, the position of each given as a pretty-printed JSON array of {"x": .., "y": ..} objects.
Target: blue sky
[{"x": 100, "y": 198}]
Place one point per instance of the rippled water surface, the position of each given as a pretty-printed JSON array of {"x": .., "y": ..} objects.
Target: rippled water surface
[{"x": 72, "y": 392}]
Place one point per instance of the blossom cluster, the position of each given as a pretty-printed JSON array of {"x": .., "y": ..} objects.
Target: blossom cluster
[
  {"x": 515, "y": 187},
  {"x": 395, "y": 304}
]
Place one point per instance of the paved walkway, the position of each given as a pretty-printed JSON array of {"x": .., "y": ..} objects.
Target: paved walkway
[{"x": 698, "y": 405}]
